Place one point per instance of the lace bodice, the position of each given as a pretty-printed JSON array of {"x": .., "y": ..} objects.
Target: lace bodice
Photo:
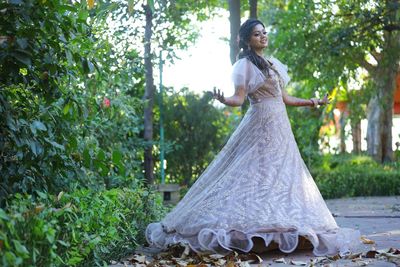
[{"x": 271, "y": 88}]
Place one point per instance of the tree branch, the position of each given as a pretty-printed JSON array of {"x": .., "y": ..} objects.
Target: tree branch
[
  {"x": 376, "y": 55},
  {"x": 366, "y": 65}
]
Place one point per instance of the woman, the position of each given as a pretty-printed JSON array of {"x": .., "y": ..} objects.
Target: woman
[{"x": 257, "y": 187}]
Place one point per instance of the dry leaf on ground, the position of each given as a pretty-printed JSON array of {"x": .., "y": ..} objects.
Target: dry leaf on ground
[
  {"x": 298, "y": 263},
  {"x": 371, "y": 254},
  {"x": 367, "y": 241},
  {"x": 280, "y": 260},
  {"x": 251, "y": 258}
]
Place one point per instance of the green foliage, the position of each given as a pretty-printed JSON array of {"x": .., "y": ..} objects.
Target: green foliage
[
  {"x": 351, "y": 176},
  {"x": 82, "y": 228},
  {"x": 56, "y": 133},
  {"x": 196, "y": 131}
]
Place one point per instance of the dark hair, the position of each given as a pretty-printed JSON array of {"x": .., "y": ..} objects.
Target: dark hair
[{"x": 245, "y": 32}]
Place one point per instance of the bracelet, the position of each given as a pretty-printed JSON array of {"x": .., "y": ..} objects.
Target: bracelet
[{"x": 314, "y": 102}]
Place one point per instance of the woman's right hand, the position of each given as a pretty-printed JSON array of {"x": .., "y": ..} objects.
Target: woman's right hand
[{"x": 217, "y": 94}]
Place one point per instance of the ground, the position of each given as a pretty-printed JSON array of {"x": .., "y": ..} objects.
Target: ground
[{"x": 377, "y": 218}]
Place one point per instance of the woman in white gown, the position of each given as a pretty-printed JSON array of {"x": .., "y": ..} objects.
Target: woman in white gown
[{"x": 258, "y": 186}]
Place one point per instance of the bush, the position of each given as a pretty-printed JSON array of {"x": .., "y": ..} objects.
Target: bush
[
  {"x": 84, "y": 228},
  {"x": 351, "y": 176}
]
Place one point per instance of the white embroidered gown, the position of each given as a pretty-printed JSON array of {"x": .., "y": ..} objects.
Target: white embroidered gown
[{"x": 257, "y": 186}]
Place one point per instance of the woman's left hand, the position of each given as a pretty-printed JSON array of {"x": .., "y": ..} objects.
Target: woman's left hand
[{"x": 326, "y": 100}]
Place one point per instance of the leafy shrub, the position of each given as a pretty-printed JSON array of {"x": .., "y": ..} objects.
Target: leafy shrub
[
  {"x": 84, "y": 228},
  {"x": 350, "y": 176},
  {"x": 56, "y": 131}
]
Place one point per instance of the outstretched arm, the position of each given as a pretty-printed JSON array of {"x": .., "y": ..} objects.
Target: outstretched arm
[
  {"x": 234, "y": 101},
  {"x": 295, "y": 101}
]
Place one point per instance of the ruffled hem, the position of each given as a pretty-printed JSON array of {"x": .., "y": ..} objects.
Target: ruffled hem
[{"x": 221, "y": 241}]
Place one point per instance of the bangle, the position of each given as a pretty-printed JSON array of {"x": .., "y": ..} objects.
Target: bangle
[{"x": 314, "y": 102}]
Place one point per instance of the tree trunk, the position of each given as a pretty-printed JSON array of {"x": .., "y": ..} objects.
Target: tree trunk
[
  {"x": 356, "y": 136},
  {"x": 342, "y": 123},
  {"x": 380, "y": 107},
  {"x": 234, "y": 20},
  {"x": 253, "y": 9},
  {"x": 148, "y": 98}
]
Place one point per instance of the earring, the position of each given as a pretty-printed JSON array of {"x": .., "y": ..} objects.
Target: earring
[{"x": 248, "y": 47}]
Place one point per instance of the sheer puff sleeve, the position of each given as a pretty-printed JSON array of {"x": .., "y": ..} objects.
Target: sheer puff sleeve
[{"x": 245, "y": 73}]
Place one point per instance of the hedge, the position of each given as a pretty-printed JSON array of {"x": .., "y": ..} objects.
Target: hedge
[
  {"x": 84, "y": 228},
  {"x": 352, "y": 176}
]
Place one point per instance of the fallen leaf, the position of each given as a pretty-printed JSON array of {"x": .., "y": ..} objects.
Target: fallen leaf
[
  {"x": 185, "y": 252},
  {"x": 320, "y": 260},
  {"x": 138, "y": 259},
  {"x": 220, "y": 262},
  {"x": 367, "y": 241},
  {"x": 181, "y": 263},
  {"x": 335, "y": 257},
  {"x": 394, "y": 251},
  {"x": 371, "y": 254},
  {"x": 216, "y": 256},
  {"x": 353, "y": 256},
  {"x": 280, "y": 260},
  {"x": 298, "y": 263},
  {"x": 251, "y": 258}
]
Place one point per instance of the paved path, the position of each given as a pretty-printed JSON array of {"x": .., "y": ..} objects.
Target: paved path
[{"x": 378, "y": 218}]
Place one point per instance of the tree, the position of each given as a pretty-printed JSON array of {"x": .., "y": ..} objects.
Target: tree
[
  {"x": 58, "y": 128},
  {"x": 326, "y": 42},
  {"x": 380, "y": 106},
  {"x": 167, "y": 28},
  {"x": 253, "y": 8},
  {"x": 234, "y": 20},
  {"x": 148, "y": 96},
  {"x": 196, "y": 131}
]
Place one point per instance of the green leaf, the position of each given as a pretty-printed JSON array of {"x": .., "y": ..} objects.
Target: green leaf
[
  {"x": 86, "y": 158},
  {"x": 3, "y": 215},
  {"x": 20, "y": 249},
  {"x": 66, "y": 108},
  {"x": 22, "y": 56},
  {"x": 63, "y": 243},
  {"x": 70, "y": 59},
  {"x": 87, "y": 66},
  {"x": 37, "y": 125},
  {"x": 36, "y": 147},
  {"x": 22, "y": 43},
  {"x": 73, "y": 143},
  {"x": 55, "y": 144},
  {"x": 116, "y": 156},
  {"x": 101, "y": 156},
  {"x": 74, "y": 260},
  {"x": 41, "y": 195},
  {"x": 83, "y": 15}
]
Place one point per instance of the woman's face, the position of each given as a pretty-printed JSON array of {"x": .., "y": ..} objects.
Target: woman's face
[{"x": 258, "y": 38}]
